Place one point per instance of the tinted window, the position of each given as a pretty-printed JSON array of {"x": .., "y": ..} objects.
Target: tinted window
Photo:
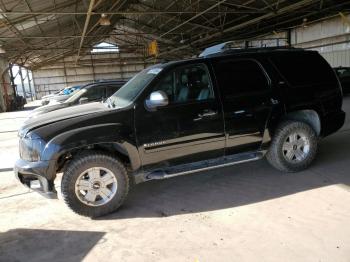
[
  {"x": 239, "y": 77},
  {"x": 185, "y": 84},
  {"x": 111, "y": 90},
  {"x": 303, "y": 68},
  {"x": 95, "y": 93}
]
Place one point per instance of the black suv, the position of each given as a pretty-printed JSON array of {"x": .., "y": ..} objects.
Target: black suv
[
  {"x": 182, "y": 117},
  {"x": 93, "y": 92}
]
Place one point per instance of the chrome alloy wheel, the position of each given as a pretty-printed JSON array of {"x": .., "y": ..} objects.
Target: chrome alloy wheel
[
  {"x": 96, "y": 186},
  {"x": 296, "y": 147}
]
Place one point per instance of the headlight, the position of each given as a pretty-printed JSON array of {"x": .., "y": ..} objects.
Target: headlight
[{"x": 31, "y": 149}]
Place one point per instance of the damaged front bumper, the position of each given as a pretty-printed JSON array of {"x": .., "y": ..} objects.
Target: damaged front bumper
[{"x": 37, "y": 176}]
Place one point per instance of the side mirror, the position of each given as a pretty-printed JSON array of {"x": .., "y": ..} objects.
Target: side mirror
[
  {"x": 157, "y": 99},
  {"x": 83, "y": 100}
]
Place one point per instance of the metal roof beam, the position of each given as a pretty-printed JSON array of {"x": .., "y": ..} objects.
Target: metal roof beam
[
  {"x": 29, "y": 15},
  {"x": 234, "y": 20},
  {"x": 172, "y": 17},
  {"x": 193, "y": 17},
  {"x": 87, "y": 21},
  {"x": 285, "y": 9},
  {"x": 129, "y": 12},
  {"x": 78, "y": 36}
]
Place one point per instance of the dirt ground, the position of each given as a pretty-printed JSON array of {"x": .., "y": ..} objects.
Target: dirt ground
[{"x": 248, "y": 212}]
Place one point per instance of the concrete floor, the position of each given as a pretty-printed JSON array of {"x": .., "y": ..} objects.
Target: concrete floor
[{"x": 248, "y": 212}]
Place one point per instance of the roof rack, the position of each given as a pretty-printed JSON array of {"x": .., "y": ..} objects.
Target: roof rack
[{"x": 230, "y": 47}]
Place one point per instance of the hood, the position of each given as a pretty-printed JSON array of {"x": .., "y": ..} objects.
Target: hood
[
  {"x": 61, "y": 114},
  {"x": 47, "y": 108},
  {"x": 59, "y": 98}
]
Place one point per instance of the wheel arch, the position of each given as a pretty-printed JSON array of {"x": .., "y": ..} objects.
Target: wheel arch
[
  {"x": 121, "y": 150},
  {"x": 308, "y": 116}
]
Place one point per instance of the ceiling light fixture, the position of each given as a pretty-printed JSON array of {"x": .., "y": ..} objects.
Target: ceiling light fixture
[{"x": 104, "y": 20}]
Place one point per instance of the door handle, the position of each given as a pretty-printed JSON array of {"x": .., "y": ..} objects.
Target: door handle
[
  {"x": 205, "y": 114},
  {"x": 274, "y": 101},
  {"x": 239, "y": 112},
  {"x": 208, "y": 114}
]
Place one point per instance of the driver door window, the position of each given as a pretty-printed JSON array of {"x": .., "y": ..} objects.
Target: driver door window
[
  {"x": 186, "y": 84},
  {"x": 95, "y": 94}
]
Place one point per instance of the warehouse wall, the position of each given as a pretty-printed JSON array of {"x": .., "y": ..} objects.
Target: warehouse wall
[
  {"x": 94, "y": 67},
  {"x": 330, "y": 37},
  {"x": 338, "y": 58}
]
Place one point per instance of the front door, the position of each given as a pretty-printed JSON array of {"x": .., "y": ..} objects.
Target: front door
[{"x": 190, "y": 128}]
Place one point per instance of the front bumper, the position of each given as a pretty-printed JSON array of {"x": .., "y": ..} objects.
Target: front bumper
[{"x": 37, "y": 176}]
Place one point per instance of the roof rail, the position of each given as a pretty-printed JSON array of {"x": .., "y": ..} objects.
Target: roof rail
[{"x": 229, "y": 47}]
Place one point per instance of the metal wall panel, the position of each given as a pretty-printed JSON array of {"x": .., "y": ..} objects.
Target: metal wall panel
[
  {"x": 338, "y": 58},
  {"x": 103, "y": 66}
]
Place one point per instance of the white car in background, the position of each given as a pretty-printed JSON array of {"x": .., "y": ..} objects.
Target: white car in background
[{"x": 59, "y": 96}]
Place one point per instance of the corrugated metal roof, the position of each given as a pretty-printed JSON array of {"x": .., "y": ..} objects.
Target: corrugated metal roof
[{"x": 39, "y": 32}]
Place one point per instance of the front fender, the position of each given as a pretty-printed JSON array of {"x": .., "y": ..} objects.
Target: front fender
[{"x": 111, "y": 133}]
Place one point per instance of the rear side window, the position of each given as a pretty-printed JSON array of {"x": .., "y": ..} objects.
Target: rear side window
[
  {"x": 240, "y": 77},
  {"x": 303, "y": 68}
]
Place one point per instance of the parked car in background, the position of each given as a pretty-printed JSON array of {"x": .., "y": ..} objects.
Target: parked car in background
[
  {"x": 46, "y": 99},
  {"x": 183, "y": 117},
  {"x": 95, "y": 92},
  {"x": 60, "y": 95},
  {"x": 343, "y": 74}
]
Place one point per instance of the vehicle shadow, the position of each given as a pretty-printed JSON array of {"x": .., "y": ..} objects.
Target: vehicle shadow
[
  {"x": 46, "y": 245},
  {"x": 237, "y": 185}
]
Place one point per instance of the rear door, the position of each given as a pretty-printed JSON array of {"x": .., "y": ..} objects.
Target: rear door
[{"x": 246, "y": 97}]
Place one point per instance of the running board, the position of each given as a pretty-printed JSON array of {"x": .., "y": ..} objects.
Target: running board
[{"x": 204, "y": 165}]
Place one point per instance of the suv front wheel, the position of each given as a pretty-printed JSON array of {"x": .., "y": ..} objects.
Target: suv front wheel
[
  {"x": 293, "y": 147},
  {"x": 95, "y": 184}
]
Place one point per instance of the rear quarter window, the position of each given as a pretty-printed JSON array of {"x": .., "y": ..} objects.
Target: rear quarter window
[
  {"x": 240, "y": 77},
  {"x": 303, "y": 68}
]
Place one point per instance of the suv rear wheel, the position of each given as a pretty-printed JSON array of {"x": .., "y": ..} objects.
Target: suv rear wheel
[
  {"x": 95, "y": 184},
  {"x": 293, "y": 147}
]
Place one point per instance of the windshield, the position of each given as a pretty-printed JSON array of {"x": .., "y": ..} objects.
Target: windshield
[
  {"x": 126, "y": 95},
  {"x": 76, "y": 96}
]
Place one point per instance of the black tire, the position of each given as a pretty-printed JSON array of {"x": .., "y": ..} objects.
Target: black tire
[
  {"x": 82, "y": 163},
  {"x": 277, "y": 156}
]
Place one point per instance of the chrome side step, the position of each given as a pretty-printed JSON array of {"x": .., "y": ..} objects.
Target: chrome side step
[{"x": 206, "y": 165}]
